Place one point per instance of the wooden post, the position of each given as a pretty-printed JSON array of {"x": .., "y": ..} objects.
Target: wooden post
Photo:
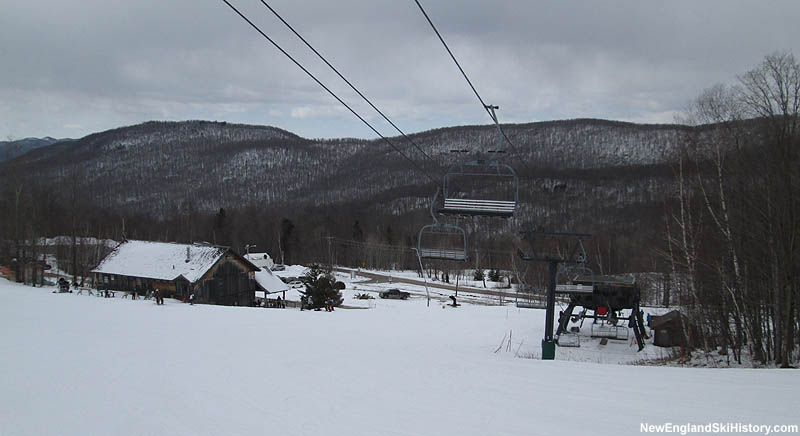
[
  {"x": 682, "y": 355},
  {"x": 457, "y": 274}
]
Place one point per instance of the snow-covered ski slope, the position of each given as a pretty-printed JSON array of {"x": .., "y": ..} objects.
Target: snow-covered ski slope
[{"x": 80, "y": 365}]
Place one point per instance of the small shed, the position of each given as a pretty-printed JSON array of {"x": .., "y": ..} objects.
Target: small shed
[
  {"x": 670, "y": 329},
  {"x": 214, "y": 274}
]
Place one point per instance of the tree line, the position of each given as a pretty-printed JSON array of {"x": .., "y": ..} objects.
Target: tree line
[{"x": 733, "y": 228}]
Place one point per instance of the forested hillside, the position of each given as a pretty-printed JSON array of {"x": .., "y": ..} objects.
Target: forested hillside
[
  {"x": 238, "y": 184},
  {"x": 157, "y": 166}
]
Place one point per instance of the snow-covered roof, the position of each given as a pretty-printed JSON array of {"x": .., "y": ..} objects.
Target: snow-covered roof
[
  {"x": 261, "y": 260},
  {"x": 270, "y": 282},
  {"x": 160, "y": 260}
]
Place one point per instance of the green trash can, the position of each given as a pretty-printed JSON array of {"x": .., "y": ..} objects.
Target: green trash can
[{"x": 548, "y": 350}]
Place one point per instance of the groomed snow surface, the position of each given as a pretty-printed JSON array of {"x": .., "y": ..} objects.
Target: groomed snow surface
[{"x": 80, "y": 365}]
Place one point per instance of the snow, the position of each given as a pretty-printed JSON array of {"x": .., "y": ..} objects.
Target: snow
[
  {"x": 464, "y": 281},
  {"x": 261, "y": 260},
  {"x": 160, "y": 260},
  {"x": 80, "y": 365},
  {"x": 291, "y": 271},
  {"x": 268, "y": 281}
]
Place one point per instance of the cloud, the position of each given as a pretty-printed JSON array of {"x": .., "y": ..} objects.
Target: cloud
[
  {"x": 101, "y": 64},
  {"x": 302, "y": 112}
]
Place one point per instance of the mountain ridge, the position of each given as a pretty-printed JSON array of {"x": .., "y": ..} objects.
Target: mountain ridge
[
  {"x": 12, "y": 148},
  {"x": 158, "y": 161}
]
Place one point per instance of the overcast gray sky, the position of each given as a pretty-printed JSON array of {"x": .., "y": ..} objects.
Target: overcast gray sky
[{"x": 70, "y": 68}]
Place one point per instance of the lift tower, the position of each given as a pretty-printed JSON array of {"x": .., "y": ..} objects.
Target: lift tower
[{"x": 576, "y": 255}]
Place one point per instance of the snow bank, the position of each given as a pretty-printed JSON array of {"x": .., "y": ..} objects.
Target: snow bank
[{"x": 79, "y": 365}]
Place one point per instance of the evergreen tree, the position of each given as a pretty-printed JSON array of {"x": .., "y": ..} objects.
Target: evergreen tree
[{"x": 321, "y": 285}]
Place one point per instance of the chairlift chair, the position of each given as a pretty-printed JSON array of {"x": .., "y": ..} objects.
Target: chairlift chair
[
  {"x": 609, "y": 331},
  {"x": 482, "y": 179},
  {"x": 566, "y": 277},
  {"x": 578, "y": 271},
  {"x": 441, "y": 241},
  {"x": 571, "y": 340}
]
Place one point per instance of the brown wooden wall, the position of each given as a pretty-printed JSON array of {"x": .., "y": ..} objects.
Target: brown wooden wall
[
  {"x": 127, "y": 283},
  {"x": 229, "y": 283}
]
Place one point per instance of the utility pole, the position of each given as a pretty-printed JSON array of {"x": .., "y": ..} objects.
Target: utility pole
[
  {"x": 425, "y": 279},
  {"x": 330, "y": 253},
  {"x": 280, "y": 247}
]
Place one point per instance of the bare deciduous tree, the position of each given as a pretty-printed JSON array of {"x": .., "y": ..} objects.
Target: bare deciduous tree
[{"x": 741, "y": 189}]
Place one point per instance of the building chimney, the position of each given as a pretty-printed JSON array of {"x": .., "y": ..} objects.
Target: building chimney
[{"x": 188, "y": 256}]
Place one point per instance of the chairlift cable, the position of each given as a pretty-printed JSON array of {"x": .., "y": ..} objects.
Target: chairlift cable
[
  {"x": 274, "y": 12},
  {"x": 486, "y": 107},
  {"x": 254, "y": 26}
]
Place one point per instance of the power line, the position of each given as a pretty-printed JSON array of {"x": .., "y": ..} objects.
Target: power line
[
  {"x": 378, "y": 246},
  {"x": 486, "y": 107},
  {"x": 403, "y": 249},
  {"x": 327, "y": 89},
  {"x": 274, "y": 12}
]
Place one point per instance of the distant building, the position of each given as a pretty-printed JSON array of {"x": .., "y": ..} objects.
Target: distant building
[
  {"x": 267, "y": 282},
  {"x": 671, "y": 329},
  {"x": 216, "y": 275},
  {"x": 261, "y": 260}
]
